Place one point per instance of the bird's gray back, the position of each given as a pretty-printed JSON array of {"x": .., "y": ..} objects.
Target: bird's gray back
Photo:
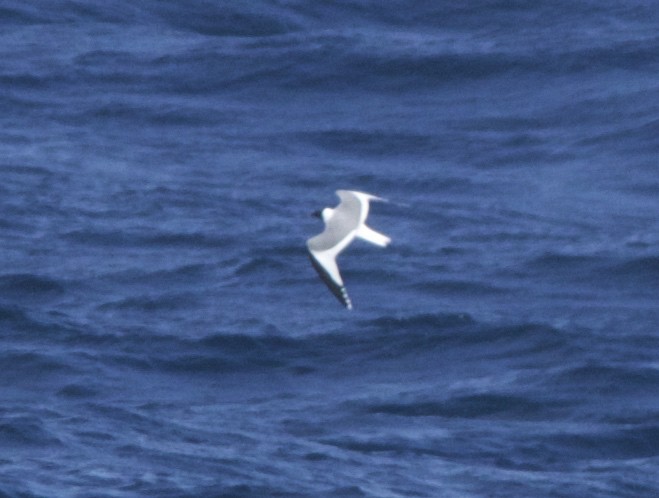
[{"x": 346, "y": 218}]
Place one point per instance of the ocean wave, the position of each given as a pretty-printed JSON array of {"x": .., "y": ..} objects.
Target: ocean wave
[
  {"x": 566, "y": 262},
  {"x": 177, "y": 274},
  {"x": 643, "y": 269},
  {"x": 197, "y": 364},
  {"x": 132, "y": 114},
  {"x": 268, "y": 17},
  {"x": 616, "y": 444},
  {"x": 485, "y": 405},
  {"x": 77, "y": 391},
  {"x": 133, "y": 238},
  {"x": 310, "y": 60},
  {"x": 453, "y": 287},
  {"x": 30, "y": 286},
  {"x": 416, "y": 323},
  {"x": 151, "y": 303},
  {"x": 195, "y": 240},
  {"x": 18, "y": 319},
  {"x": 608, "y": 378},
  {"x": 20, "y": 366},
  {"x": 571, "y": 267},
  {"x": 260, "y": 18},
  {"x": 546, "y": 450},
  {"x": 352, "y": 60},
  {"x": 637, "y": 138},
  {"x": 275, "y": 50},
  {"x": 366, "y": 344},
  {"x": 371, "y": 142},
  {"x": 395, "y": 446},
  {"x": 428, "y": 331},
  {"x": 273, "y": 351},
  {"x": 215, "y": 354},
  {"x": 25, "y": 431},
  {"x": 23, "y": 13},
  {"x": 650, "y": 189},
  {"x": 257, "y": 19},
  {"x": 258, "y": 265},
  {"x": 605, "y": 271}
]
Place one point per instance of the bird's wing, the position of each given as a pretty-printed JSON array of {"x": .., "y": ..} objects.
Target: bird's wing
[
  {"x": 353, "y": 206},
  {"x": 351, "y": 197},
  {"x": 369, "y": 235},
  {"x": 364, "y": 232},
  {"x": 325, "y": 264},
  {"x": 340, "y": 228},
  {"x": 324, "y": 261}
]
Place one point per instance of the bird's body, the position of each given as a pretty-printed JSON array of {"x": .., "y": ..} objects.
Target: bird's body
[{"x": 342, "y": 225}]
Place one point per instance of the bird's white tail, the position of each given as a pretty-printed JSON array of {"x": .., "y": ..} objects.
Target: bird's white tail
[{"x": 370, "y": 235}]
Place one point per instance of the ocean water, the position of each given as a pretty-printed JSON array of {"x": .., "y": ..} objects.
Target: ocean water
[{"x": 162, "y": 331}]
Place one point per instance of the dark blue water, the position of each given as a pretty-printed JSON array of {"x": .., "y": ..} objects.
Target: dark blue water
[{"x": 162, "y": 331}]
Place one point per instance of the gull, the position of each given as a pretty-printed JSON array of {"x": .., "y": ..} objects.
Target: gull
[{"x": 342, "y": 224}]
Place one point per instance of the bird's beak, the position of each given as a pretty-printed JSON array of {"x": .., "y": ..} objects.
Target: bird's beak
[{"x": 317, "y": 214}]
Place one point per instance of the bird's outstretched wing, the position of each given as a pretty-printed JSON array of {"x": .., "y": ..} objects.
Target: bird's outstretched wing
[{"x": 326, "y": 267}]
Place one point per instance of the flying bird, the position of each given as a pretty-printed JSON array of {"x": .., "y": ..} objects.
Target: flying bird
[{"x": 342, "y": 224}]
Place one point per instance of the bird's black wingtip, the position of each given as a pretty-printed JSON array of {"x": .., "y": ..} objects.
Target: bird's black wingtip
[{"x": 339, "y": 291}]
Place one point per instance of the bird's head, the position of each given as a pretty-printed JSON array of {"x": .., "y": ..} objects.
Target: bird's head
[{"x": 324, "y": 215}]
